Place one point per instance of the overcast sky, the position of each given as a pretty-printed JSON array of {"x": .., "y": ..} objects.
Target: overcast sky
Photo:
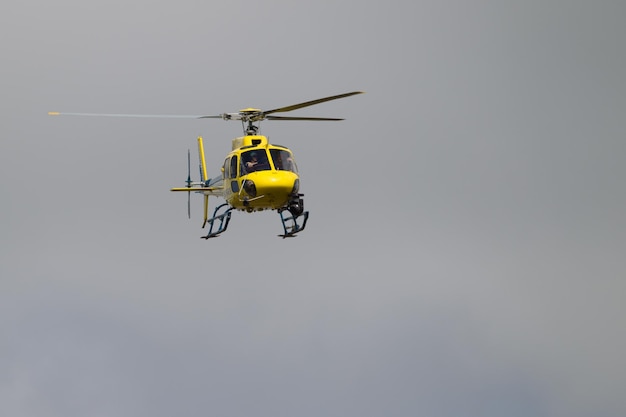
[{"x": 465, "y": 250}]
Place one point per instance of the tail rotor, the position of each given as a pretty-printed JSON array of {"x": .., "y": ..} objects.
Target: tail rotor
[
  {"x": 188, "y": 183},
  {"x": 204, "y": 186}
]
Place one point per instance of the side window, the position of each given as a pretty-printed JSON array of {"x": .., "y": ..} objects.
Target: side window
[
  {"x": 233, "y": 167},
  {"x": 227, "y": 168}
]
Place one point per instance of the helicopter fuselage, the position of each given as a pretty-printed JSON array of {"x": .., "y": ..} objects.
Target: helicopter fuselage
[{"x": 259, "y": 176}]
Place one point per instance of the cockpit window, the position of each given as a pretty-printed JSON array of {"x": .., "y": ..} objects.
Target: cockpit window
[
  {"x": 254, "y": 160},
  {"x": 283, "y": 160},
  {"x": 233, "y": 167}
]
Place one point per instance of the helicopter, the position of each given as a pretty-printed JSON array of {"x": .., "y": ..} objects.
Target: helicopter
[{"x": 255, "y": 176}]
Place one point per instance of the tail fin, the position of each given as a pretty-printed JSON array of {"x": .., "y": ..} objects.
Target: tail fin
[
  {"x": 203, "y": 172},
  {"x": 203, "y": 186},
  {"x": 205, "y": 178}
]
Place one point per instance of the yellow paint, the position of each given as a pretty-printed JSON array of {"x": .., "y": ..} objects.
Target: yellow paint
[
  {"x": 53, "y": 113},
  {"x": 274, "y": 187},
  {"x": 202, "y": 159},
  {"x": 256, "y": 140},
  {"x": 273, "y": 191}
]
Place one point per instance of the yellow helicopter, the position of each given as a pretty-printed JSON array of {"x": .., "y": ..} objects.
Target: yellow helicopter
[{"x": 256, "y": 175}]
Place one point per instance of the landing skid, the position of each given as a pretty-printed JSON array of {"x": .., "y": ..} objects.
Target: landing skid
[
  {"x": 219, "y": 221},
  {"x": 290, "y": 224}
]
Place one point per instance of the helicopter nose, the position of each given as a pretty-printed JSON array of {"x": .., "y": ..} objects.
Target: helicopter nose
[{"x": 277, "y": 184}]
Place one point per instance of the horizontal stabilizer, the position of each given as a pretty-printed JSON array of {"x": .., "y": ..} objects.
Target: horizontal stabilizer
[{"x": 209, "y": 189}]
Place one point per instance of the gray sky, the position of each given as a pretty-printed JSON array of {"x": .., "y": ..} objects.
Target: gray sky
[{"x": 465, "y": 251}]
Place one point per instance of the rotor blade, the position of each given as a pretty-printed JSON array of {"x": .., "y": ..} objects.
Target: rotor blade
[
  {"x": 153, "y": 116},
  {"x": 311, "y": 103},
  {"x": 302, "y": 118}
]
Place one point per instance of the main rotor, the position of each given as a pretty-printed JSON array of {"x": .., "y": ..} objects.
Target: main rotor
[{"x": 250, "y": 117}]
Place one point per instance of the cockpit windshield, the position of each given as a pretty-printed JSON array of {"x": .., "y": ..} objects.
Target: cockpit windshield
[
  {"x": 254, "y": 160},
  {"x": 283, "y": 160}
]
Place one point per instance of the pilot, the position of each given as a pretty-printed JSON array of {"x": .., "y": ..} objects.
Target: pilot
[
  {"x": 289, "y": 165},
  {"x": 278, "y": 161},
  {"x": 282, "y": 165},
  {"x": 252, "y": 162}
]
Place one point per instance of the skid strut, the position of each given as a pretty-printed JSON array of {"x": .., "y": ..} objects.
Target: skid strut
[
  {"x": 218, "y": 221},
  {"x": 290, "y": 224}
]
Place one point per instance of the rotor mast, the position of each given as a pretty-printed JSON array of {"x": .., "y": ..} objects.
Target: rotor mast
[{"x": 251, "y": 129}]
